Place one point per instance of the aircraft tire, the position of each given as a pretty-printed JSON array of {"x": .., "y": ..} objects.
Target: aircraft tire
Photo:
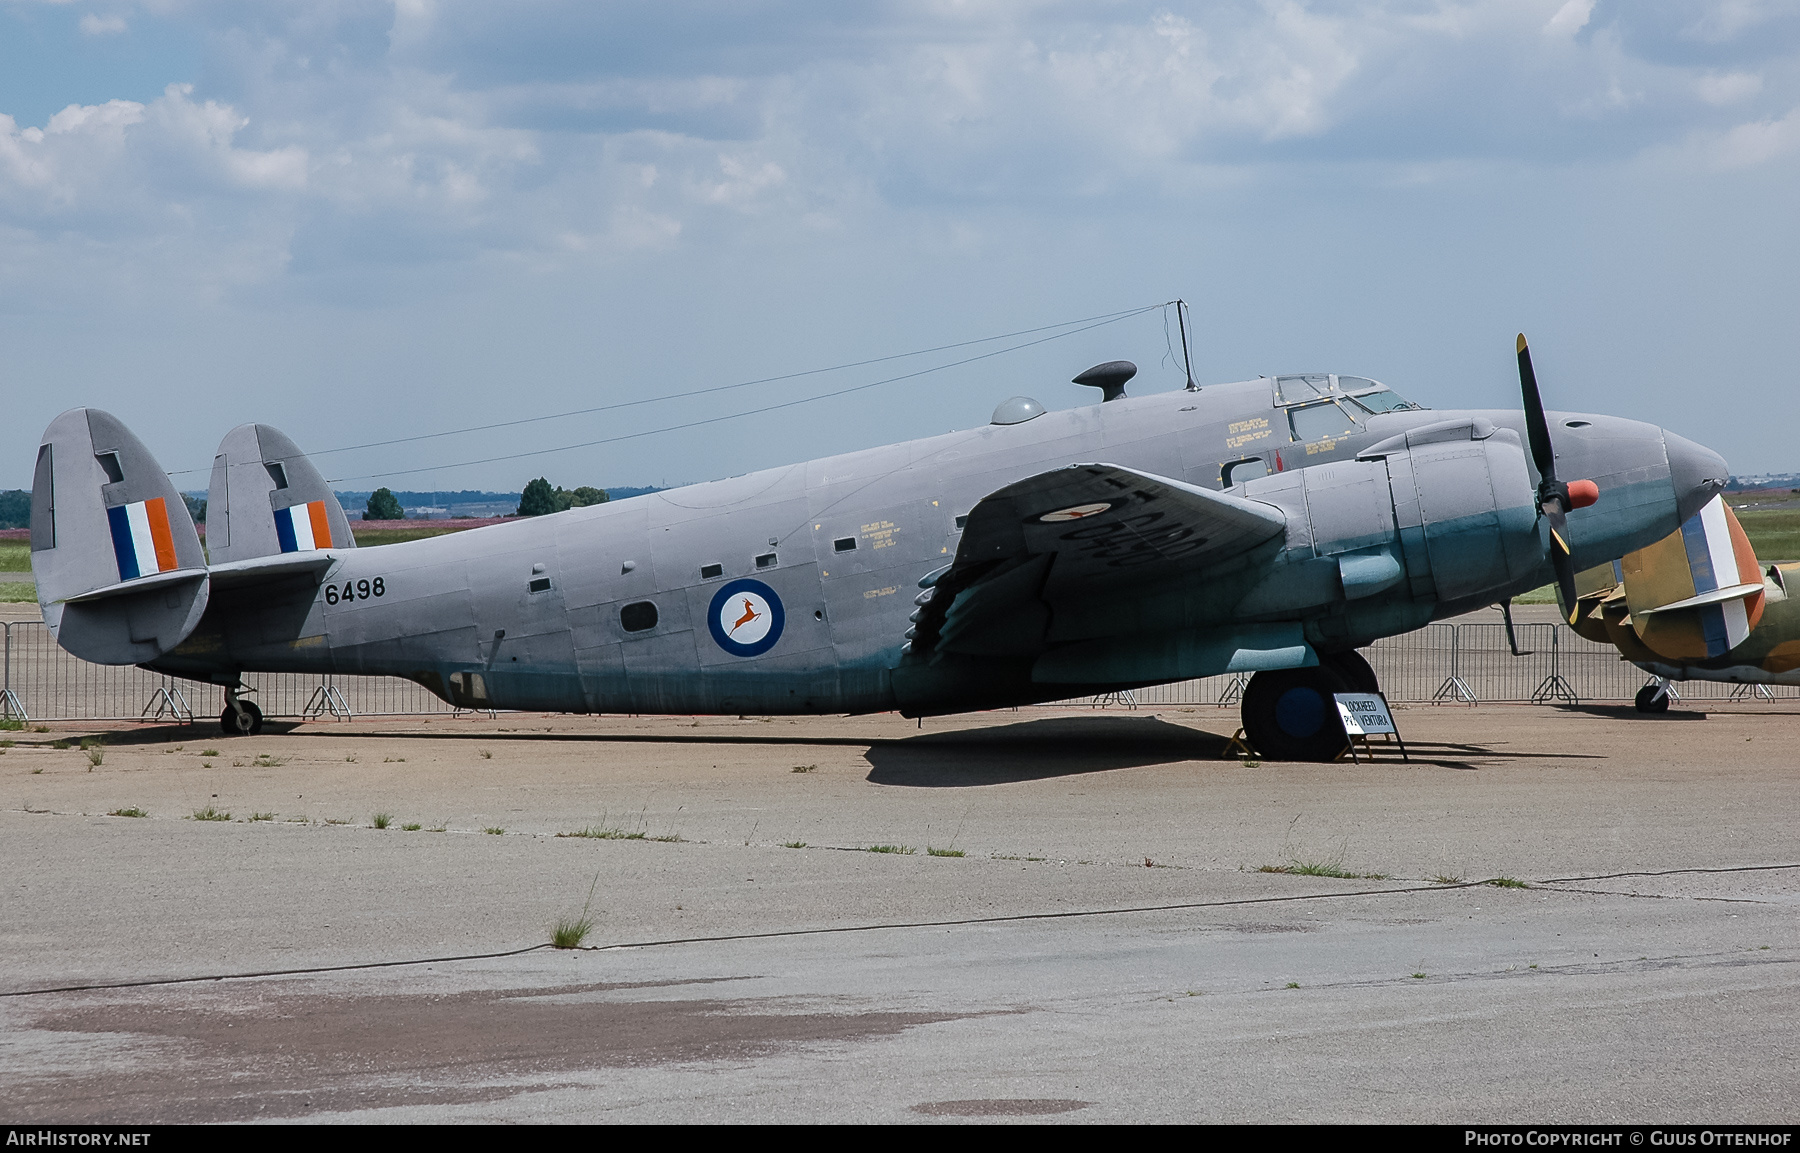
[
  {"x": 1354, "y": 668},
  {"x": 1649, "y": 701},
  {"x": 246, "y": 724},
  {"x": 1289, "y": 715}
]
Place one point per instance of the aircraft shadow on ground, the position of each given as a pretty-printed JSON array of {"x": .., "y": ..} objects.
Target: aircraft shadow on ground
[
  {"x": 1630, "y": 713},
  {"x": 1037, "y": 750}
]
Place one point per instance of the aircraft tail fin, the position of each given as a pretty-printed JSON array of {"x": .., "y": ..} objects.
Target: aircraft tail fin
[
  {"x": 1698, "y": 592},
  {"x": 267, "y": 498},
  {"x": 120, "y": 573}
]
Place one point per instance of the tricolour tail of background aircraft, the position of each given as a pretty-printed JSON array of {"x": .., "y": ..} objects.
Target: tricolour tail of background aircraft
[
  {"x": 121, "y": 575},
  {"x": 1694, "y": 595}
]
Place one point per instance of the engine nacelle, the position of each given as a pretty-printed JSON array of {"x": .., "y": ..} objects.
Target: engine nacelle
[{"x": 1446, "y": 509}]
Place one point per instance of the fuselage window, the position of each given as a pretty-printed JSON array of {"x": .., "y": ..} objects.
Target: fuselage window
[
  {"x": 540, "y": 584},
  {"x": 843, "y": 544},
  {"x": 709, "y": 571},
  {"x": 962, "y": 522},
  {"x": 1319, "y": 421},
  {"x": 638, "y": 616},
  {"x": 109, "y": 464},
  {"x": 1239, "y": 471},
  {"x": 766, "y": 560}
]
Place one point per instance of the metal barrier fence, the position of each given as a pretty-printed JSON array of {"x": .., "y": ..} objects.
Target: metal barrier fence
[{"x": 1446, "y": 663}]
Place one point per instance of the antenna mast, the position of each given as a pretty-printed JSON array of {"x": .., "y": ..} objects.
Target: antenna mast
[{"x": 1186, "y": 357}]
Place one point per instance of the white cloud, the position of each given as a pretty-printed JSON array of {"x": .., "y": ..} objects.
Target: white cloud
[
  {"x": 1571, "y": 18},
  {"x": 1728, "y": 88},
  {"x": 92, "y": 25},
  {"x": 452, "y": 129}
]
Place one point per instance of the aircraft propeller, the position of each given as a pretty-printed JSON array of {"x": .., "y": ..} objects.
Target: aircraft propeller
[{"x": 1555, "y": 499}]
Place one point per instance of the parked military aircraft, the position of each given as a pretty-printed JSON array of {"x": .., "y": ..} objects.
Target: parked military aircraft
[
  {"x": 1269, "y": 526},
  {"x": 1697, "y": 606}
]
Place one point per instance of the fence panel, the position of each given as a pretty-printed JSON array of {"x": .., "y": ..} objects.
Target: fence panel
[{"x": 48, "y": 684}]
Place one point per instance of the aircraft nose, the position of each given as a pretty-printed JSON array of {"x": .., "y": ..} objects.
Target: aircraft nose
[{"x": 1697, "y": 472}]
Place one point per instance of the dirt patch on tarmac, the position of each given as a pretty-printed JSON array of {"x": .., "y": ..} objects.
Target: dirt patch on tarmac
[{"x": 260, "y": 1053}]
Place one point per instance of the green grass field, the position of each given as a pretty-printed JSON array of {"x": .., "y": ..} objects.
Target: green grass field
[
  {"x": 15, "y": 556},
  {"x": 368, "y": 537}
]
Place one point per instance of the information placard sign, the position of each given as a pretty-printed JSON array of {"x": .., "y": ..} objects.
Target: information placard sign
[{"x": 1364, "y": 714}]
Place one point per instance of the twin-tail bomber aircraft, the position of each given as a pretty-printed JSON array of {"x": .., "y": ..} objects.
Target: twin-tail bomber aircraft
[{"x": 1269, "y": 526}]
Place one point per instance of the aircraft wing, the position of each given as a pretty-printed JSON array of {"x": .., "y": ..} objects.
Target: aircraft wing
[{"x": 1081, "y": 531}]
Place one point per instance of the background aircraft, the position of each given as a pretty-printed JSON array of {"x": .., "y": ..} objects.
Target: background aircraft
[
  {"x": 1269, "y": 526},
  {"x": 1695, "y": 605}
]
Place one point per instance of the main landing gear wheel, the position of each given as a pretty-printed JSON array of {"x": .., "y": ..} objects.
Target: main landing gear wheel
[
  {"x": 1652, "y": 699},
  {"x": 1356, "y": 672},
  {"x": 1289, "y": 714},
  {"x": 246, "y": 723}
]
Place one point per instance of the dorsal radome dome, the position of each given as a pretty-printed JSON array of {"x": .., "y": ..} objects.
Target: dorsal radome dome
[{"x": 1016, "y": 410}]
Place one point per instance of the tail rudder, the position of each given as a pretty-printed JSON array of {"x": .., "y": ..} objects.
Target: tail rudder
[
  {"x": 1697, "y": 593},
  {"x": 267, "y": 498},
  {"x": 121, "y": 577}
]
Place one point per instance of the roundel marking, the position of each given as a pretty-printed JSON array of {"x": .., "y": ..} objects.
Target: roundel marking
[
  {"x": 746, "y": 617},
  {"x": 1078, "y": 512}
]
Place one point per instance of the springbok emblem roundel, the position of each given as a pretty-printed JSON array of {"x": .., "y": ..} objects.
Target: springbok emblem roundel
[{"x": 745, "y": 618}]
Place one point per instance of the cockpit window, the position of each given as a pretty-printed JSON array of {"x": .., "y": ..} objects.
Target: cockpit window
[
  {"x": 1295, "y": 389},
  {"x": 1320, "y": 421},
  {"x": 1381, "y": 400}
]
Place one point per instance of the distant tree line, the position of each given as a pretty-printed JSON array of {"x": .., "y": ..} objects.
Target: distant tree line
[
  {"x": 539, "y": 498},
  {"x": 15, "y": 508}
]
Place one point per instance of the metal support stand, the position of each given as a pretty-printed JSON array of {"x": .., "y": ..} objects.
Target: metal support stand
[
  {"x": 167, "y": 703},
  {"x": 1752, "y": 692},
  {"x": 1455, "y": 689},
  {"x": 1234, "y": 692},
  {"x": 327, "y": 699},
  {"x": 1122, "y": 697},
  {"x": 10, "y": 707},
  {"x": 1554, "y": 687}
]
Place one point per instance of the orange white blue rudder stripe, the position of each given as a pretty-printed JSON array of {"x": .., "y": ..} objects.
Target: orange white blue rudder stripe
[
  {"x": 141, "y": 540},
  {"x": 1715, "y": 565},
  {"x": 303, "y": 527}
]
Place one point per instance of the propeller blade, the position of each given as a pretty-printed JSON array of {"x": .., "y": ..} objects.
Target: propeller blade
[
  {"x": 1554, "y": 498},
  {"x": 1537, "y": 430},
  {"x": 1561, "y": 559}
]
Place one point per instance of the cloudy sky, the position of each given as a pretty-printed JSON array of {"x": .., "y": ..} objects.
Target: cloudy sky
[{"x": 359, "y": 221}]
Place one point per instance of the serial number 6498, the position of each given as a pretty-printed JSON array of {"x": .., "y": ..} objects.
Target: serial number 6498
[{"x": 360, "y": 590}]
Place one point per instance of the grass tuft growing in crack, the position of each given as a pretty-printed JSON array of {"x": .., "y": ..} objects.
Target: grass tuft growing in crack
[
  {"x": 903, "y": 850},
  {"x": 131, "y": 811},
  {"x": 931, "y": 852},
  {"x": 1506, "y": 883},
  {"x": 570, "y": 932},
  {"x": 209, "y": 813},
  {"x": 1321, "y": 869},
  {"x": 382, "y": 820}
]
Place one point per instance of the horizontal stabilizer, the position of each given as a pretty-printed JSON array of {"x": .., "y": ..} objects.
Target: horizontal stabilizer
[
  {"x": 261, "y": 570},
  {"x": 1716, "y": 596},
  {"x": 138, "y": 585}
]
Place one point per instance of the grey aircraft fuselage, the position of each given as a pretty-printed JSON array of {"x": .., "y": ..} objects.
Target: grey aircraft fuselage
[{"x": 549, "y": 613}]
